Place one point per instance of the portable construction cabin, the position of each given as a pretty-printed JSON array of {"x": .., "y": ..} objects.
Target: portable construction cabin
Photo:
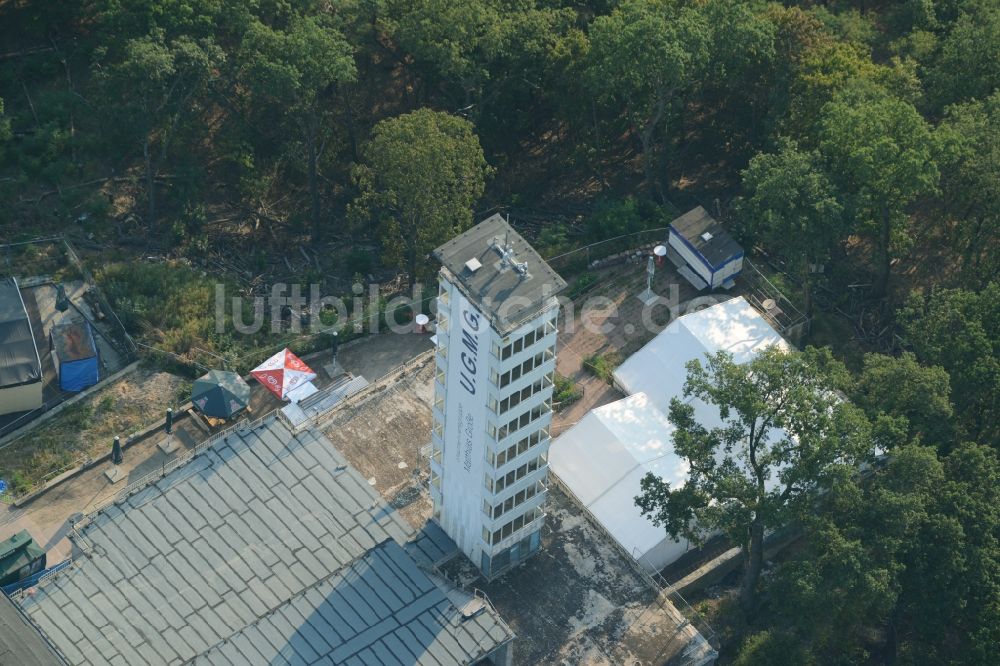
[
  {"x": 74, "y": 353},
  {"x": 20, "y": 365},
  {"x": 704, "y": 253}
]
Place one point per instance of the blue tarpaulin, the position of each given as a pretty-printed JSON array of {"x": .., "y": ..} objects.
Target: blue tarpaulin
[{"x": 75, "y": 355}]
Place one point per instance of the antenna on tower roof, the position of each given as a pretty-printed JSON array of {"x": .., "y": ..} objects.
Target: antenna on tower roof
[{"x": 506, "y": 252}]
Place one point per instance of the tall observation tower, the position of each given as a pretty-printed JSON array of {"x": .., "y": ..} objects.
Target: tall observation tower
[{"x": 496, "y": 359}]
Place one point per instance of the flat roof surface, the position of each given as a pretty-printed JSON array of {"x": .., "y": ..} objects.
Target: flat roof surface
[
  {"x": 19, "y": 360},
  {"x": 506, "y": 296},
  {"x": 73, "y": 341},
  {"x": 721, "y": 246},
  {"x": 268, "y": 545}
]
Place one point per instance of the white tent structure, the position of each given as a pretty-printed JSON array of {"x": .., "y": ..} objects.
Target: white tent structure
[
  {"x": 658, "y": 368},
  {"x": 603, "y": 457},
  {"x": 601, "y": 461}
]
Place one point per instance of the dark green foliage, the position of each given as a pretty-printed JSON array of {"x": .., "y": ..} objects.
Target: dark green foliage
[
  {"x": 603, "y": 366},
  {"x": 959, "y": 330},
  {"x": 915, "y": 397},
  {"x": 863, "y": 136},
  {"x": 423, "y": 172},
  {"x": 747, "y": 479},
  {"x": 565, "y": 392},
  {"x": 901, "y": 566}
]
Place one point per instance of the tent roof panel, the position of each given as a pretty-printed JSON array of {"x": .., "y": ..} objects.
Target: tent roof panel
[
  {"x": 633, "y": 532},
  {"x": 658, "y": 368},
  {"x": 589, "y": 458}
]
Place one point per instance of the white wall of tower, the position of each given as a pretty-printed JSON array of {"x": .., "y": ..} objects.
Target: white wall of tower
[{"x": 492, "y": 411}]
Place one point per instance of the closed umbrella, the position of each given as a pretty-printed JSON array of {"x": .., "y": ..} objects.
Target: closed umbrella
[
  {"x": 220, "y": 393},
  {"x": 117, "y": 455}
]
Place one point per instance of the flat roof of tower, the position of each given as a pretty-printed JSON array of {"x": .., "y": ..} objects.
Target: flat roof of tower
[{"x": 501, "y": 291}]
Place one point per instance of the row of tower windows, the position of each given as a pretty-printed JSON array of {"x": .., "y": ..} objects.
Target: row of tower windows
[
  {"x": 515, "y": 475},
  {"x": 520, "y": 344},
  {"x": 525, "y": 341},
  {"x": 512, "y": 502},
  {"x": 517, "y": 397},
  {"x": 518, "y": 371},
  {"x": 511, "y": 527},
  {"x": 520, "y": 422},
  {"x": 517, "y": 449}
]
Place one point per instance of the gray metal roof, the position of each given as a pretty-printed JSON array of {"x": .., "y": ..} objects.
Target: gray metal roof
[
  {"x": 19, "y": 360},
  {"x": 244, "y": 546},
  {"x": 506, "y": 296},
  {"x": 20, "y": 643},
  {"x": 720, "y": 247},
  {"x": 381, "y": 609}
]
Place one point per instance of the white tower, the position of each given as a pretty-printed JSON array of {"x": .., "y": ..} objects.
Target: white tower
[{"x": 496, "y": 360}]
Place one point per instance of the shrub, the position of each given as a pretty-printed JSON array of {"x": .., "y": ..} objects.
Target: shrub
[
  {"x": 581, "y": 285},
  {"x": 602, "y": 365},
  {"x": 566, "y": 392}
]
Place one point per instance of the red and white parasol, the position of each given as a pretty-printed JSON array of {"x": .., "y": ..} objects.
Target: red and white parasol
[{"x": 283, "y": 373}]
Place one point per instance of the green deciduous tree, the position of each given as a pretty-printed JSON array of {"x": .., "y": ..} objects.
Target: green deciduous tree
[
  {"x": 152, "y": 90},
  {"x": 643, "y": 58},
  {"x": 881, "y": 151},
  {"x": 918, "y": 397},
  {"x": 422, "y": 173},
  {"x": 792, "y": 207},
  {"x": 959, "y": 330},
  {"x": 451, "y": 41},
  {"x": 296, "y": 70},
  {"x": 899, "y": 566},
  {"x": 967, "y": 65},
  {"x": 970, "y": 184},
  {"x": 786, "y": 435}
]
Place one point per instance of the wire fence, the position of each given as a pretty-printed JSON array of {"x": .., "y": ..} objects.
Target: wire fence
[{"x": 579, "y": 260}]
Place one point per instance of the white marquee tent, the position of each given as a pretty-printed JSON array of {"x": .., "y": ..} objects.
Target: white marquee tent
[
  {"x": 603, "y": 457},
  {"x": 601, "y": 460},
  {"x": 658, "y": 368}
]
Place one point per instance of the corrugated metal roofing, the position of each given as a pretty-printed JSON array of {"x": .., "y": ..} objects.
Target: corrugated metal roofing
[
  {"x": 267, "y": 547},
  {"x": 20, "y": 643},
  {"x": 19, "y": 361}
]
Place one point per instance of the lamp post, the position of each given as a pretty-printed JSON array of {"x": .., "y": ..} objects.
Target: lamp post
[
  {"x": 333, "y": 369},
  {"x": 647, "y": 296}
]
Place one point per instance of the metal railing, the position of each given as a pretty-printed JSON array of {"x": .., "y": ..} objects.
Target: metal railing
[
  {"x": 243, "y": 425},
  {"x": 380, "y": 384}
]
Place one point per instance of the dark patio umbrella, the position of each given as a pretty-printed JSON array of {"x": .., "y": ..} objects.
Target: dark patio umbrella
[{"x": 220, "y": 393}]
